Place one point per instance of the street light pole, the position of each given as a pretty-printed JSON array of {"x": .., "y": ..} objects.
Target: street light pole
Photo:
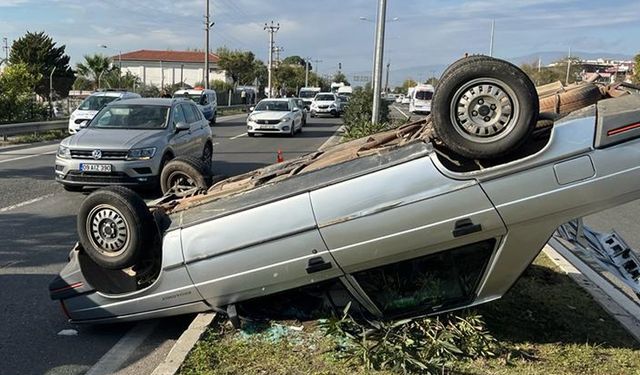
[
  {"x": 306, "y": 72},
  {"x": 377, "y": 63},
  {"x": 493, "y": 29},
  {"x": 207, "y": 28}
]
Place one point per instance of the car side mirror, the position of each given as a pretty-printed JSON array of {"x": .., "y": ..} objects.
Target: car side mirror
[
  {"x": 84, "y": 124},
  {"x": 251, "y": 109},
  {"x": 182, "y": 126},
  {"x": 296, "y": 109}
]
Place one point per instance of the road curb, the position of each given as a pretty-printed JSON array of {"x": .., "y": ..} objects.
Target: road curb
[
  {"x": 333, "y": 140},
  {"x": 614, "y": 302},
  {"x": 184, "y": 344}
]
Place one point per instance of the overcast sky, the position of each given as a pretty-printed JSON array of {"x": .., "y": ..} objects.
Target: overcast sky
[{"x": 427, "y": 32}]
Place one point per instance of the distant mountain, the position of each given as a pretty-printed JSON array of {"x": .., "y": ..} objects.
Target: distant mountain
[{"x": 549, "y": 57}]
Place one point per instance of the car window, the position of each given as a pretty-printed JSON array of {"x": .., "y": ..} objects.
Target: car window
[
  {"x": 197, "y": 112},
  {"x": 424, "y": 95},
  {"x": 131, "y": 117},
  {"x": 189, "y": 113},
  {"x": 94, "y": 103},
  {"x": 272, "y": 105},
  {"x": 205, "y": 99},
  {"x": 178, "y": 115},
  {"x": 433, "y": 282},
  {"x": 325, "y": 97}
]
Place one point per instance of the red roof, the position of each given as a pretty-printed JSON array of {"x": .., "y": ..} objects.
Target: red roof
[{"x": 173, "y": 56}]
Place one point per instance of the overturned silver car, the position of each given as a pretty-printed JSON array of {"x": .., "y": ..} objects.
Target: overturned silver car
[{"x": 434, "y": 216}]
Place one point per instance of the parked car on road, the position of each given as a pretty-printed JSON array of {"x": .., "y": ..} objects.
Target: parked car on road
[
  {"x": 325, "y": 103},
  {"x": 129, "y": 143},
  {"x": 207, "y": 101},
  {"x": 343, "y": 100},
  {"x": 82, "y": 115},
  {"x": 405, "y": 230},
  {"x": 275, "y": 116}
]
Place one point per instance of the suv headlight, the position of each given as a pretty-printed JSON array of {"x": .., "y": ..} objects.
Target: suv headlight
[
  {"x": 285, "y": 119},
  {"x": 333, "y": 105},
  {"x": 64, "y": 152},
  {"x": 251, "y": 119},
  {"x": 141, "y": 153}
]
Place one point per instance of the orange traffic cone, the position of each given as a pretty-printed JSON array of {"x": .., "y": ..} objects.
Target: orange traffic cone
[{"x": 280, "y": 159}]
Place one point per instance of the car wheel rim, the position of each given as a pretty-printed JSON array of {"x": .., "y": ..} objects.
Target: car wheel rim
[
  {"x": 181, "y": 183},
  {"x": 484, "y": 110},
  {"x": 108, "y": 230}
]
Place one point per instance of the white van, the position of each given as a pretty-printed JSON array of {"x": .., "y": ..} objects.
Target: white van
[
  {"x": 92, "y": 104},
  {"x": 207, "y": 101},
  {"x": 421, "y": 99}
]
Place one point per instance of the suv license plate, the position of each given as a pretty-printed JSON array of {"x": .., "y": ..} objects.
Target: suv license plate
[{"x": 106, "y": 168}]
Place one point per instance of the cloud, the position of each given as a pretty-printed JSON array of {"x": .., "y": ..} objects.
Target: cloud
[{"x": 12, "y": 3}]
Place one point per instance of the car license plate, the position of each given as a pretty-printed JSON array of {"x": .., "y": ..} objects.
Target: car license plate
[
  {"x": 268, "y": 126},
  {"x": 105, "y": 168}
]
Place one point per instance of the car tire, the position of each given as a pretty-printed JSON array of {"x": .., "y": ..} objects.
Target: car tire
[
  {"x": 73, "y": 188},
  {"x": 115, "y": 227},
  {"x": 484, "y": 108},
  {"x": 292, "y": 131},
  {"x": 207, "y": 155},
  {"x": 181, "y": 175},
  {"x": 251, "y": 134},
  {"x": 214, "y": 119},
  {"x": 313, "y": 114}
]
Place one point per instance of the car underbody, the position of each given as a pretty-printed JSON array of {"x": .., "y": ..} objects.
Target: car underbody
[{"x": 406, "y": 226}]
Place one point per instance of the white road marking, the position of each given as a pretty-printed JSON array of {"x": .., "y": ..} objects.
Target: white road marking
[
  {"x": 28, "y": 156},
  {"x": 120, "y": 352},
  {"x": 5, "y": 209},
  {"x": 401, "y": 112},
  {"x": 239, "y": 136},
  {"x": 68, "y": 332}
]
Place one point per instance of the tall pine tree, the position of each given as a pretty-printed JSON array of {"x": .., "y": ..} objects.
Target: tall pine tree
[{"x": 39, "y": 53}]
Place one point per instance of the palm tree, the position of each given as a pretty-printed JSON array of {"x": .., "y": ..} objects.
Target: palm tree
[{"x": 94, "y": 68}]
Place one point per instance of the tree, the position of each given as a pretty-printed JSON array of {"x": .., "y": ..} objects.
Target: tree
[
  {"x": 17, "y": 85},
  {"x": 94, "y": 68},
  {"x": 340, "y": 77},
  {"x": 407, "y": 84},
  {"x": 296, "y": 60},
  {"x": 114, "y": 79},
  {"x": 557, "y": 71},
  {"x": 357, "y": 116},
  {"x": 242, "y": 66},
  {"x": 38, "y": 52}
]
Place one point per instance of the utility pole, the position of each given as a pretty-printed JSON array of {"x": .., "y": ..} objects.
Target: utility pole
[
  {"x": 493, "y": 29},
  {"x": 379, "y": 55},
  {"x": 277, "y": 50},
  {"x": 207, "y": 28},
  {"x": 306, "y": 71},
  {"x": 568, "y": 67},
  {"x": 317, "y": 62},
  {"x": 386, "y": 83},
  {"x": 271, "y": 29}
]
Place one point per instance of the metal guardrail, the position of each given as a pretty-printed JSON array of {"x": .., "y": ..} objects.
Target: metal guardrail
[{"x": 7, "y": 130}]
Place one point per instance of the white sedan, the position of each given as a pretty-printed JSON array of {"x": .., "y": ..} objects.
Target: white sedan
[{"x": 275, "y": 116}]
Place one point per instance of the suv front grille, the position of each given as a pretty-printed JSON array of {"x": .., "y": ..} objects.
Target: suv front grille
[
  {"x": 106, "y": 155},
  {"x": 99, "y": 178}
]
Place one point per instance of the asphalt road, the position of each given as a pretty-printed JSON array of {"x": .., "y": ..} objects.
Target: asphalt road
[{"x": 37, "y": 230}]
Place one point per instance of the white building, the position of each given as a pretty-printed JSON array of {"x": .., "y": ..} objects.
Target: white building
[{"x": 160, "y": 68}]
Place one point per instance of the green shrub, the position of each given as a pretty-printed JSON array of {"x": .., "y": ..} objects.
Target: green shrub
[
  {"x": 427, "y": 345},
  {"x": 357, "y": 116}
]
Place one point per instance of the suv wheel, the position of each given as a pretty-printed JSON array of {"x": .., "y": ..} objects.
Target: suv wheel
[{"x": 184, "y": 176}]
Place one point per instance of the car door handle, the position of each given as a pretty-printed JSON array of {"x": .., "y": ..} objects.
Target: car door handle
[
  {"x": 465, "y": 227},
  {"x": 317, "y": 264}
]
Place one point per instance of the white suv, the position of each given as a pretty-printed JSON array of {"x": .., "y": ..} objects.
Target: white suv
[
  {"x": 325, "y": 103},
  {"x": 91, "y": 105}
]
